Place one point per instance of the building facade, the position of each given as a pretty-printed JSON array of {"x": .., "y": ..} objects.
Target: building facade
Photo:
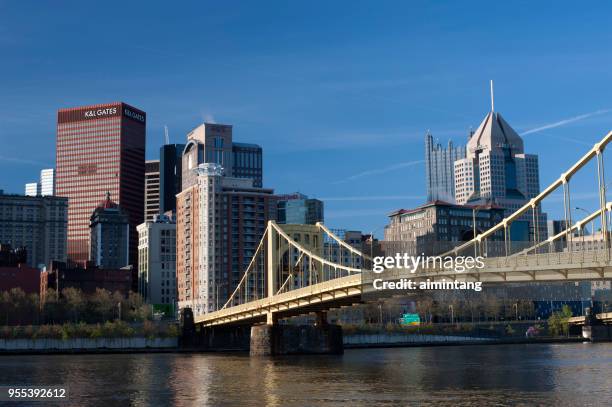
[
  {"x": 44, "y": 187},
  {"x": 299, "y": 209},
  {"x": 39, "y": 224},
  {"x": 157, "y": 263},
  {"x": 87, "y": 278},
  {"x": 220, "y": 222},
  {"x": 32, "y": 189},
  {"x": 110, "y": 236},
  {"x": 496, "y": 169},
  {"x": 440, "y": 169},
  {"x": 47, "y": 182},
  {"x": 213, "y": 143},
  {"x": 337, "y": 254},
  {"x": 14, "y": 271},
  {"x": 100, "y": 148},
  {"x": 247, "y": 162},
  {"x": 152, "y": 186},
  {"x": 438, "y": 226},
  {"x": 170, "y": 175}
]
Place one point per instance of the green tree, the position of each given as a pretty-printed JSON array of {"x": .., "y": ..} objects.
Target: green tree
[
  {"x": 74, "y": 302},
  {"x": 18, "y": 303},
  {"x": 101, "y": 305},
  {"x": 558, "y": 322},
  {"x": 50, "y": 307},
  {"x": 5, "y": 303}
]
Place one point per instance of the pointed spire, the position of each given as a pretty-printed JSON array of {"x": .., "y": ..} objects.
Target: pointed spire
[{"x": 492, "y": 98}]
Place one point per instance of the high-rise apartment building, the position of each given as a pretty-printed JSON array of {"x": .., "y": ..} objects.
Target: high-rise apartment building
[
  {"x": 36, "y": 223},
  {"x": 32, "y": 189},
  {"x": 170, "y": 175},
  {"x": 440, "y": 169},
  {"x": 44, "y": 187},
  {"x": 220, "y": 222},
  {"x": 47, "y": 182},
  {"x": 151, "y": 189},
  {"x": 297, "y": 208},
  {"x": 212, "y": 143},
  {"x": 100, "y": 148},
  {"x": 157, "y": 263},
  {"x": 110, "y": 231}
]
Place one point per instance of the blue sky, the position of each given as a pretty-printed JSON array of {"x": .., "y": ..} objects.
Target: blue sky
[{"x": 339, "y": 94}]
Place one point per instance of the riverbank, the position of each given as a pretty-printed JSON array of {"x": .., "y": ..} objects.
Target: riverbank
[
  {"x": 171, "y": 345},
  {"x": 387, "y": 342}
]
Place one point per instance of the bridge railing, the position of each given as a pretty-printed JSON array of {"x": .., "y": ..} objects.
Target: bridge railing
[
  {"x": 291, "y": 257},
  {"x": 532, "y": 210}
]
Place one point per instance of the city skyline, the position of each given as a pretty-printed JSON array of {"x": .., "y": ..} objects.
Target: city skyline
[{"x": 361, "y": 122}]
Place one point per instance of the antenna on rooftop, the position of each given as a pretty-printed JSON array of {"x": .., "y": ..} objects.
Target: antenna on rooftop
[
  {"x": 166, "y": 134},
  {"x": 492, "y": 98}
]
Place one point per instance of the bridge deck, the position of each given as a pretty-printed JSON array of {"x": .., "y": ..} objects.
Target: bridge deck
[{"x": 544, "y": 267}]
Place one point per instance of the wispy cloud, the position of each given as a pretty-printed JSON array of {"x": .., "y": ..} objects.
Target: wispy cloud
[
  {"x": 350, "y": 213},
  {"x": 565, "y": 121},
  {"x": 18, "y": 160},
  {"x": 377, "y": 171},
  {"x": 373, "y": 198}
]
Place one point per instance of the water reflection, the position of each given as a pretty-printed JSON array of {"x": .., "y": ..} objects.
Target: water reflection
[{"x": 568, "y": 374}]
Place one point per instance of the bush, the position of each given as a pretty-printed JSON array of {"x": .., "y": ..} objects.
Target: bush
[{"x": 171, "y": 331}]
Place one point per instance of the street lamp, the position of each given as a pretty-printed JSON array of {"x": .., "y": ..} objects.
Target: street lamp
[
  {"x": 516, "y": 311},
  {"x": 372, "y": 242}
]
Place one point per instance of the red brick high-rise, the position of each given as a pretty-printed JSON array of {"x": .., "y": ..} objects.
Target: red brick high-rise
[{"x": 100, "y": 148}]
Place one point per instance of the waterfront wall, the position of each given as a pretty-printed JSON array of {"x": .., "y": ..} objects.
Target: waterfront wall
[
  {"x": 85, "y": 344},
  {"x": 398, "y": 339}
]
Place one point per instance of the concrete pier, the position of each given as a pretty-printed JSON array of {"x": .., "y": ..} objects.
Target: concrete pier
[
  {"x": 594, "y": 328},
  {"x": 271, "y": 340}
]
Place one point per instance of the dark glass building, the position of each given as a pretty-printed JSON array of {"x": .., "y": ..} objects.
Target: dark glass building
[{"x": 170, "y": 170}]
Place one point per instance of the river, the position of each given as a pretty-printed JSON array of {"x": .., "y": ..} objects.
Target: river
[{"x": 535, "y": 374}]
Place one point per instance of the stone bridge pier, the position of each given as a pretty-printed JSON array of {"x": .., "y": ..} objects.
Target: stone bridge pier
[
  {"x": 594, "y": 329},
  {"x": 274, "y": 338}
]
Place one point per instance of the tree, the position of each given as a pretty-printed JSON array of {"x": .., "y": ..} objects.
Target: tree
[
  {"x": 5, "y": 302},
  {"x": 101, "y": 305},
  {"x": 50, "y": 307},
  {"x": 74, "y": 302},
  {"x": 558, "y": 322},
  {"x": 33, "y": 302},
  {"x": 18, "y": 302}
]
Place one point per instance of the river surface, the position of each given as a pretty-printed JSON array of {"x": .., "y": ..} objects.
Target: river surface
[{"x": 536, "y": 374}]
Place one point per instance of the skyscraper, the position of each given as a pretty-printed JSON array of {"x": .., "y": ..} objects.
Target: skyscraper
[
  {"x": 220, "y": 222},
  {"x": 440, "y": 169},
  {"x": 151, "y": 189},
  {"x": 100, "y": 148},
  {"x": 247, "y": 162},
  {"x": 170, "y": 175},
  {"x": 44, "y": 187},
  {"x": 110, "y": 230},
  {"x": 36, "y": 223},
  {"x": 32, "y": 189},
  {"x": 212, "y": 143},
  {"x": 157, "y": 263},
  {"x": 297, "y": 208},
  {"x": 496, "y": 169},
  {"x": 47, "y": 182}
]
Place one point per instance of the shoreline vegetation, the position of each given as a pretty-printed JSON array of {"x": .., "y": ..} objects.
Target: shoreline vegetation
[{"x": 108, "y": 329}]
